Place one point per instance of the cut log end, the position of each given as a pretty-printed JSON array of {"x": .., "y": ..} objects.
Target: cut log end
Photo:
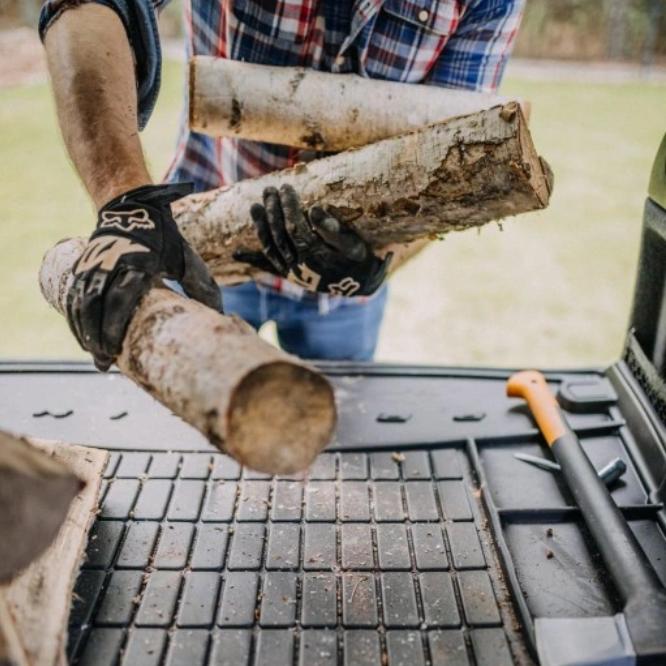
[
  {"x": 55, "y": 273},
  {"x": 280, "y": 418},
  {"x": 540, "y": 175}
]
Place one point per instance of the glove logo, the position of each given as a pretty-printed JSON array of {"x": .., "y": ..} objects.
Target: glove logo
[
  {"x": 104, "y": 251},
  {"x": 126, "y": 220},
  {"x": 346, "y": 287},
  {"x": 305, "y": 277}
]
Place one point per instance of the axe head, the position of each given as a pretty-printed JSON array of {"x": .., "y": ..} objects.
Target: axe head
[{"x": 584, "y": 641}]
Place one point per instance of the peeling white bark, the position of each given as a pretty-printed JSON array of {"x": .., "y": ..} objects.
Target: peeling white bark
[{"x": 305, "y": 108}]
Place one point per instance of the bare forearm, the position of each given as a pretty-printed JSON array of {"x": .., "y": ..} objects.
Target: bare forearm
[{"x": 92, "y": 72}]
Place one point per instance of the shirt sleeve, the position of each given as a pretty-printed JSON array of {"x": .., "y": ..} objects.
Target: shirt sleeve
[
  {"x": 476, "y": 54},
  {"x": 140, "y": 22}
]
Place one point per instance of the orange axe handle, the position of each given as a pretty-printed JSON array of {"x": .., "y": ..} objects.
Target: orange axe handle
[{"x": 532, "y": 387}]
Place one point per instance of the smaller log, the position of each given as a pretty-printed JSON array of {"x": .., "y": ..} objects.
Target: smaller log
[
  {"x": 266, "y": 408},
  {"x": 305, "y": 108},
  {"x": 35, "y": 494}
]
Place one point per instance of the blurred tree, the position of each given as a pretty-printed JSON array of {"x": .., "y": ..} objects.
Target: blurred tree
[
  {"x": 19, "y": 12},
  {"x": 594, "y": 29},
  {"x": 617, "y": 28},
  {"x": 656, "y": 26}
]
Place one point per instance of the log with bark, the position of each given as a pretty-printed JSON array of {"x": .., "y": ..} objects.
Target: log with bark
[
  {"x": 266, "y": 408},
  {"x": 305, "y": 108},
  {"x": 35, "y": 605},
  {"x": 35, "y": 493},
  {"x": 453, "y": 175}
]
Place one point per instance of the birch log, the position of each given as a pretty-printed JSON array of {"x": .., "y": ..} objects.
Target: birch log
[
  {"x": 37, "y": 602},
  {"x": 449, "y": 176},
  {"x": 304, "y": 108},
  {"x": 35, "y": 494},
  {"x": 260, "y": 405}
]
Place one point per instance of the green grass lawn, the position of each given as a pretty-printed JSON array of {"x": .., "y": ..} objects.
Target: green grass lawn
[
  {"x": 552, "y": 288},
  {"x": 43, "y": 201}
]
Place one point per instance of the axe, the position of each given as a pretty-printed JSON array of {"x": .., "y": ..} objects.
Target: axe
[{"x": 637, "y": 634}]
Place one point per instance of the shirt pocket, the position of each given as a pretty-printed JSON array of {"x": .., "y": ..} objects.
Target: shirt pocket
[
  {"x": 407, "y": 38},
  {"x": 275, "y": 32}
]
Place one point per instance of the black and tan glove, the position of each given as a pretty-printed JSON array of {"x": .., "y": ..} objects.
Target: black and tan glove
[
  {"x": 314, "y": 250},
  {"x": 135, "y": 245}
]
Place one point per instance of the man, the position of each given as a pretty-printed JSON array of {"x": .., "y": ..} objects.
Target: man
[{"x": 323, "y": 286}]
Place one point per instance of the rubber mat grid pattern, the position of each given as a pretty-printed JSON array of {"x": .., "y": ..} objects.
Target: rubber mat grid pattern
[{"x": 373, "y": 559}]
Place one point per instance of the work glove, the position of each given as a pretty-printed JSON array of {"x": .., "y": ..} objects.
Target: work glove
[
  {"x": 135, "y": 245},
  {"x": 315, "y": 250}
]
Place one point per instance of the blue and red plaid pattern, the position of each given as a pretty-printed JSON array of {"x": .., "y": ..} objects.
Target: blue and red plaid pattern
[{"x": 451, "y": 43}]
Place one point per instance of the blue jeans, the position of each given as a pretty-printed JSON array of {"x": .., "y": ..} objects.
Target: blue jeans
[{"x": 348, "y": 331}]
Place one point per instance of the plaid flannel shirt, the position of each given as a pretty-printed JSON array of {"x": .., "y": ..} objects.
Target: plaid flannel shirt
[{"x": 449, "y": 43}]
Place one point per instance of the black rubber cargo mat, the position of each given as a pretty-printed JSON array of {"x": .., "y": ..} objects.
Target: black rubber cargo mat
[
  {"x": 417, "y": 539},
  {"x": 375, "y": 558}
]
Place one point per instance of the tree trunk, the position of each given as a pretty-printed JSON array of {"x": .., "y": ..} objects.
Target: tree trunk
[
  {"x": 34, "y": 608},
  {"x": 449, "y": 176},
  {"x": 308, "y": 109},
  {"x": 260, "y": 405},
  {"x": 617, "y": 29}
]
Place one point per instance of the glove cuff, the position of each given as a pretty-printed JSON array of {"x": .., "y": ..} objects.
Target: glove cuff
[
  {"x": 379, "y": 277},
  {"x": 151, "y": 195}
]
